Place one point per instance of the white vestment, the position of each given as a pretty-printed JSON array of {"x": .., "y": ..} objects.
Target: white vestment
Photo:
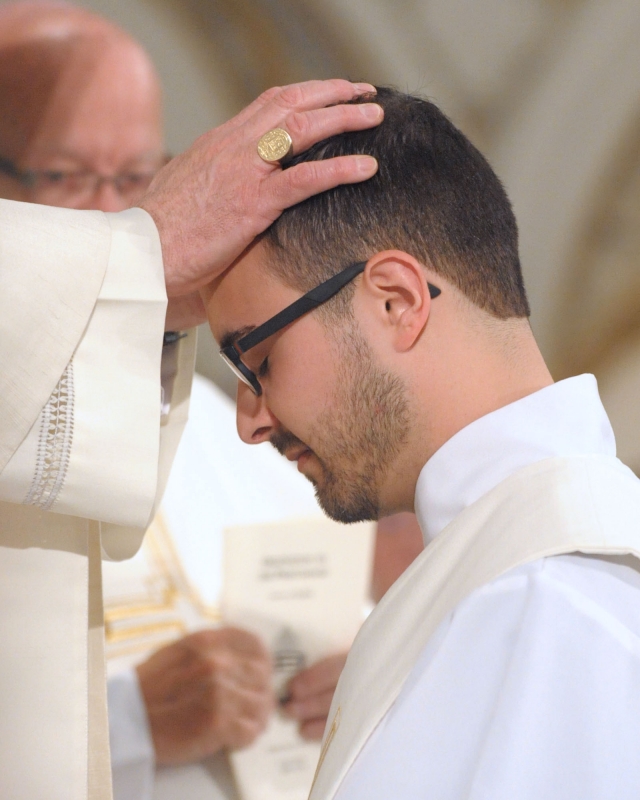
[
  {"x": 492, "y": 670},
  {"x": 172, "y": 585},
  {"x": 82, "y": 309}
]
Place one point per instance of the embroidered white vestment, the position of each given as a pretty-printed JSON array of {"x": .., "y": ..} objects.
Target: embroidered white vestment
[{"x": 82, "y": 309}]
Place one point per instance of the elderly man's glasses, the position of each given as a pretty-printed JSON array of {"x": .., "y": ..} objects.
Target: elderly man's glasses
[
  {"x": 231, "y": 354},
  {"x": 54, "y": 184}
]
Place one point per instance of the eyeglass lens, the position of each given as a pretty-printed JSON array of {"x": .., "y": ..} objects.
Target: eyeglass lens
[{"x": 54, "y": 186}]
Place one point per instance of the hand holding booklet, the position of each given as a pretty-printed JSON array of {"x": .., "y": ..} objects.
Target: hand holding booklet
[{"x": 302, "y": 587}]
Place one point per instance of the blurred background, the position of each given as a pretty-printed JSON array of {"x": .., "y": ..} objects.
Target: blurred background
[{"x": 549, "y": 90}]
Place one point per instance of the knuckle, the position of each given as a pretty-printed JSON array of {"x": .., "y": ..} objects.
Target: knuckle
[
  {"x": 293, "y": 95},
  {"x": 270, "y": 94},
  {"x": 298, "y": 125},
  {"x": 302, "y": 176},
  {"x": 342, "y": 86}
]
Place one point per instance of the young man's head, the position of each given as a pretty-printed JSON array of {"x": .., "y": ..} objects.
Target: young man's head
[
  {"x": 430, "y": 335},
  {"x": 80, "y": 110}
]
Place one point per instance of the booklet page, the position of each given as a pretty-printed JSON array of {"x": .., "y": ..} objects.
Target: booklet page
[{"x": 302, "y": 587}]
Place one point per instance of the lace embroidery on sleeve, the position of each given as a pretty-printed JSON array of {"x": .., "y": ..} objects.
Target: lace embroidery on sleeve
[{"x": 54, "y": 445}]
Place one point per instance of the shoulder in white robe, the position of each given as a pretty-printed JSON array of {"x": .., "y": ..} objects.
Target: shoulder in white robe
[{"x": 529, "y": 685}]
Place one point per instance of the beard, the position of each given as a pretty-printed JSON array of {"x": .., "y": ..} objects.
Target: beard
[{"x": 357, "y": 440}]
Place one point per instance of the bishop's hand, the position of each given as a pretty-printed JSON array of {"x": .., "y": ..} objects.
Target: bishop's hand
[
  {"x": 212, "y": 201},
  {"x": 207, "y": 691}
]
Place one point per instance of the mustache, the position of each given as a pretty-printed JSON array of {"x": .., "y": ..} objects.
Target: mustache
[{"x": 284, "y": 440}]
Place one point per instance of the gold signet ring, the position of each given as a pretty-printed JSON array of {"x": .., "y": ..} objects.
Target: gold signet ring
[{"x": 275, "y": 147}]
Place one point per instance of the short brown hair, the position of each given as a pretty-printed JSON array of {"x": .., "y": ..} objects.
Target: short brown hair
[{"x": 435, "y": 196}]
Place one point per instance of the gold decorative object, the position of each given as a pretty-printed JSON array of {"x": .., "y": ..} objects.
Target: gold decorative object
[{"x": 275, "y": 147}]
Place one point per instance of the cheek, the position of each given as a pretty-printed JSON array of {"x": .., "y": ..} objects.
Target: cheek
[{"x": 301, "y": 383}]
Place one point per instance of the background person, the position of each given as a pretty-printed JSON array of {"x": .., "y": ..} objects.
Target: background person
[
  {"x": 83, "y": 307},
  {"x": 82, "y": 128}
]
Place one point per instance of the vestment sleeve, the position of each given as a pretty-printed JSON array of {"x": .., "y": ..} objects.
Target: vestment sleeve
[
  {"x": 52, "y": 264},
  {"x": 80, "y": 356}
]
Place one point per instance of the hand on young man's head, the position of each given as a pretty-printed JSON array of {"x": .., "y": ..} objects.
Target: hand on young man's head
[
  {"x": 211, "y": 202},
  {"x": 208, "y": 691}
]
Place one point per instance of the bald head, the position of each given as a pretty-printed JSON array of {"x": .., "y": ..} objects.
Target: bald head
[{"x": 76, "y": 94}]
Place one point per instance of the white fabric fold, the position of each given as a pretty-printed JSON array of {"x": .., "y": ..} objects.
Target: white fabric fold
[
  {"x": 564, "y": 419},
  {"x": 111, "y": 462},
  {"x": 82, "y": 310},
  {"x": 132, "y": 753},
  {"x": 480, "y": 675},
  {"x": 52, "y": 265}
]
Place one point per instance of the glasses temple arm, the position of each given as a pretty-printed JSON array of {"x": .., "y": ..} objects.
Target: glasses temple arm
[
  {"x": 303, "y": 305},
  {"x": 306, "y": 303}
]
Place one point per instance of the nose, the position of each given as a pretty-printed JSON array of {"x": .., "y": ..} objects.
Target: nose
[
  {"x": 255, "y": 421},
  {"x": 107, "y": 198}
]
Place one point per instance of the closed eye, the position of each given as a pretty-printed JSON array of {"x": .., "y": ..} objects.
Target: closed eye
[
  {"x": 55, "y": 176},
  {"x": 263, "y": 369}
]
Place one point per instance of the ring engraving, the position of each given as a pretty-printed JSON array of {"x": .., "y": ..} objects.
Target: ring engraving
[{"x": 275, "y": 147}]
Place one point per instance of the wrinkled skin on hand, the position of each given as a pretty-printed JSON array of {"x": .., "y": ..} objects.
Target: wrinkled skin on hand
[
  {"x": 212, "y": 201},
  {"x": 310, "y": 695},
  {"x": 207, "y": 691}
]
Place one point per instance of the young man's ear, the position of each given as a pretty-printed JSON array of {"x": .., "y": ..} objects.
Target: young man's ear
[{"x": 396, "y": 285}]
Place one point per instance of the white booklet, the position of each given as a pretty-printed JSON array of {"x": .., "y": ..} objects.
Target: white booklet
[{"x": 302, "y": 587}]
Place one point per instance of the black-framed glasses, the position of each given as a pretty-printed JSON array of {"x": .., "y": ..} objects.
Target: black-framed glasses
[
  {"x": 232, "y": 354},
  {"x": 55, "y": 184}
]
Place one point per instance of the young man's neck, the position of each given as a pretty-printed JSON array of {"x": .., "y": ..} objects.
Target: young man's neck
[{"x": 474, "y": 373}]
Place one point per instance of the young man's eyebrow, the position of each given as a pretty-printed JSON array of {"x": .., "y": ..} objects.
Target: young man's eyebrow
[{"x": 231, "y": 337}]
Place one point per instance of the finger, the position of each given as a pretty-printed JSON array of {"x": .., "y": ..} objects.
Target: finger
[
  {"x": 243, "y": 704},
  {"x": 250, "y": 673},
  {"x": 291, "y": 186},
  {"x": 234, "y": 640},
  {"x": 204, "y": 688},
  {"x": 313, "y": 729},
  {"x": 320, "y": 677},
  {"x": 242, "y": 642},
  {"x": 309, "y": 95},
  {"x": 185, "y": 312},
  {"x": 204, "y": 678},
  {"x": 224, "y": 672},
  {"x": 310, "y": 708},
  {"x": 243, "y": 732},
  {"x": 308, "y": 127},
  {"x": 280, "y": 100},
  {"x": 203, "y": 639},
  {"x": 245, "y": 700},
  {"x": 184, "y": 688}
]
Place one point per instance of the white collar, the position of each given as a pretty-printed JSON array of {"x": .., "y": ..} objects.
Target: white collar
[{"x": 564, "y": 419}]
